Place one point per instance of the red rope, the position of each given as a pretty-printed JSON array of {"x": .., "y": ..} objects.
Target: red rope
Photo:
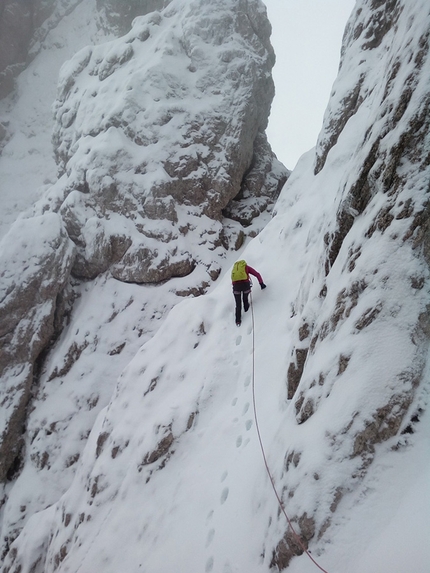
[{"x": 272, "y": 481}]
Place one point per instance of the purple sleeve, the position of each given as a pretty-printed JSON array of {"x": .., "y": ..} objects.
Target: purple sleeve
[{"x": 252, "y": 271}]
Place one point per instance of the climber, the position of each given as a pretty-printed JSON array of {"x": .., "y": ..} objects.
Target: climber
[{"x": 242, "y": 286}]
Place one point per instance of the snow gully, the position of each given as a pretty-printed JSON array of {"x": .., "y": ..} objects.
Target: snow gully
[{"x": 269, "y": 473}]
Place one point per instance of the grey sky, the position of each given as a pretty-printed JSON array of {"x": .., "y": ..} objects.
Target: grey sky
[{"x": 307, "y": 37}]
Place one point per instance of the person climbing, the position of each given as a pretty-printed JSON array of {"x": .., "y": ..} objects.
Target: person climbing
[{"x": 242, "y": 286}]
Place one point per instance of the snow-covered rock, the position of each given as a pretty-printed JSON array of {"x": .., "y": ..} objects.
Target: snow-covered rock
[
  {"x": 371, "y": 277},
  {"x": 332, "y": 362},
  {"x": 119, "y": 15},
  {"x": 35, "y": 257},
  {"x": 27, "y": 163},
  {"x": 189, "y": 91},
  {"x": 130, "y": 220}
]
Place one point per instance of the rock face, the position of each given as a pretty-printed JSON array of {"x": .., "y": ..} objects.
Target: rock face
[
  {"x": 172, "y": 147},
  {"x": 383, "y": 210},
  {"x": 25, "y": 24},
  {"x": 164, "y": 167},
  {"x": 120, "y": 15},
  {"x": 262, "y": 182},
  {"x": 32, "y": 280}
]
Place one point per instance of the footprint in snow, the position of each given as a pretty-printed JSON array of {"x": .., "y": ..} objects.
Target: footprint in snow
[
  {"x": 234, "y": 402},
  {"x": 210, "y": 537},
  {"x": 248, "y": 425},
  {"x": 224, "y": 495},
  {"x": 238, "y": 340},
  {"x": 224, "y": 476},
  {"x": 247, "y": 381},
  {"x": 209, "y": 565},
  {"x": 239, "y": 442},
  {"x": 245, "y": 408}
]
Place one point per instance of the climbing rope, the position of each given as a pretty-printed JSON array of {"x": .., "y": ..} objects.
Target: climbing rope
[{"x": 272, "y": 481}]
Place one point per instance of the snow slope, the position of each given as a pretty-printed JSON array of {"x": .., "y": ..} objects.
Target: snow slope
[{"x": 172, "y": 476}]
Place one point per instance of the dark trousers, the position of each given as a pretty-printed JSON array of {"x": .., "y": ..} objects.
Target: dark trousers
[{"x": 241, "y": 293}]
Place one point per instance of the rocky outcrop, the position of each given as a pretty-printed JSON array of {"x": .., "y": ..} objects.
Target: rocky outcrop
[
  {"x": 173, "y": 147},
  {"x": 16, "y": 29},
  {"x": 34, "y": 274},
  {"x": 261, "y": 184},
  {"x": 163, "y": 166},
  {"x": 119, "y": 15},
  {"x": 383, "y": 209}
]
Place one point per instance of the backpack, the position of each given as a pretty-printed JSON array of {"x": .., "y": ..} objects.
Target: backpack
[{"x": 239, "y": 272}]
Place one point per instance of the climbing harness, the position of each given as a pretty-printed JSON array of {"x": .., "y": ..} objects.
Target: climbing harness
[{"x": 272, "y": 481}]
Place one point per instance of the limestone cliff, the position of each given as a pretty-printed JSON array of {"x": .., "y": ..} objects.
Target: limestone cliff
[
  {"x": 372, "y": 267},
  {"x": 189, "y": 95},
  {"x": 164, "y": 169}
]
